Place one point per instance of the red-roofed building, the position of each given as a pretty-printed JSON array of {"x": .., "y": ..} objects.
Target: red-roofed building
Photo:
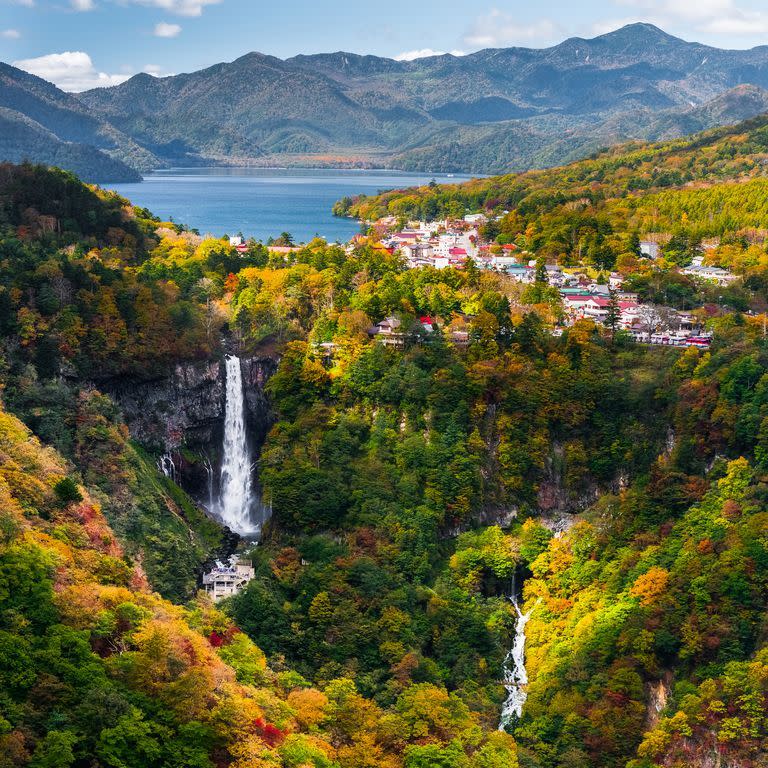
[{"x": 428, "y": 323}]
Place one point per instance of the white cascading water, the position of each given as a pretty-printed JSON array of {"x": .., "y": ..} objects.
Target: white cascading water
[
  {"x": 166, "y": 466},
  {"x": 236, "y": 495},
  {"x": 515, "y": 675}
]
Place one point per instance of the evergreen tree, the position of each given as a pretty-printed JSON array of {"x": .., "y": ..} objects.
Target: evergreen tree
[
  {"x": 472, "y": 272},
  {"x": 613, "y": 318}
]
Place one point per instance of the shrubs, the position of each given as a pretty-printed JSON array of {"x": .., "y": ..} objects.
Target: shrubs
[{"x": 67, "y": 492}]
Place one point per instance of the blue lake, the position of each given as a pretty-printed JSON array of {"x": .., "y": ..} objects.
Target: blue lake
[{"x": 263, "y": 202}]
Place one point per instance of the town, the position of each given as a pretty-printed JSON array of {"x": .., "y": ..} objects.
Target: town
[{"x": 583, "y": 293}]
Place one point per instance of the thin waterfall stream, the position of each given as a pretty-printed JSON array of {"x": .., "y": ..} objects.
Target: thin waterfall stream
[{"x": 515, "y": 674}]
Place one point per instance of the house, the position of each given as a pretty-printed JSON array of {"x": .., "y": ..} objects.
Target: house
[
  {"x": 575, "y": 303},
  {"x": 402, "y": 238},
  {"x": 567, "y": 292},
  {"x": 630, "y": 313},
  {"x": 428, "y": 323},
  {"x": 236, "y": 240},
  {"x": 615, "y": 281},
  {"x": 418, "y": 255},
  {"x": 388, "y": 325},
  {"x": 389, "y": 332},
  {"x": 518, "y": 272},
  {"x": 459, "y": 338},
  {"x": 596, "y": 308},
  {"x": 714, "y": 274},
  {"x": 228, "y": 579},
  {"x": 650, "y": 249},
  {"x": 457, "y": 256}
]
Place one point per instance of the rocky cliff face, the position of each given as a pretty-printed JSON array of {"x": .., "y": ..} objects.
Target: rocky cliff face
[{"x": 181, "y": 413}]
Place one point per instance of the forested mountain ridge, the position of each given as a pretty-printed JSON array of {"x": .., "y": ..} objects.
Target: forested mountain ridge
[
  {"x": 490, "y": 111},
  {"x": 22, "y": 138},
  {"x": 44, "y": 124},
  {"x": 526, "y": 108},
  {"x": 623, "y": 177},
  {"x": 406, "y": 484}
]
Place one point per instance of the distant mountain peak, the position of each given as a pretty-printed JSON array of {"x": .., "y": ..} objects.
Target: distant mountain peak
[
  {"x": 639, "y": 37},
  {"x": 639, "y": 32},
  {"x": 492, "y": 110}
]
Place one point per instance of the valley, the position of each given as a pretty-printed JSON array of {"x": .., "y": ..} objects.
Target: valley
[{"x": 479, "y": 498}]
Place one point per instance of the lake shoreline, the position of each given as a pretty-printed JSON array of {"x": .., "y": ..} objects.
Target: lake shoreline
[{"x": 265, "y": 202}]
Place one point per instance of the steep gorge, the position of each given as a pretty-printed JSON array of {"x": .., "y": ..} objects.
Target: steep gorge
[{"x": 181, "y": 415}]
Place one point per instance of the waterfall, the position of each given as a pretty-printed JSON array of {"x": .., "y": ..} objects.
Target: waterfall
[
  {"x": 236, "y": 495},
  {"x": 515, "y": 675},
  {"x": 166, "y": 466},
  {"x": 209, "y": 475}
]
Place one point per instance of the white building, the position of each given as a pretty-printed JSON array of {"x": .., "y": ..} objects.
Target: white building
[
  {"x": 715, "y": 274},
  {"x": 650, "y": 249},
  {"x": 227, "y": 580},
  {"x": 615, "y": 281},
  {"x": 418, "y": 255}
]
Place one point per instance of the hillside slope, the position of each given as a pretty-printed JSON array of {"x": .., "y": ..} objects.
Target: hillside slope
[
  {"x": 413, "y": 489},
  {"x": 734, "y": 153},
  {"x": 23, "y": 139},
  {"x": 43, "y": 124},
  {"x": 95, "y": 669}
]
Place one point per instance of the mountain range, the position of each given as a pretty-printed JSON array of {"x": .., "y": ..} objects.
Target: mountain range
[{"x": 492, "y": 111}]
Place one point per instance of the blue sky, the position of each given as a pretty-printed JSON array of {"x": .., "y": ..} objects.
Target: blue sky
[{"x": 85, "y": 43}]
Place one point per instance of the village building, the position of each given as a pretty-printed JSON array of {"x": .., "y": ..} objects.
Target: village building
[
  {"x": 650, "y": 249},
  {"x": 615, "y": 281},
  {"x": 228, "y": 579},
  {"x": 389, "y": 332},
  {"x": 418, "y": 255},
  {"x": 714, "y": 274}
]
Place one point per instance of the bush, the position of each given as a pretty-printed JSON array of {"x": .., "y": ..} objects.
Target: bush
[{"x": 67, "y": 492}]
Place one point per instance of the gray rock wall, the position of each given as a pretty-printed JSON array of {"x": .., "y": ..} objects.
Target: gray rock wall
[{"x": 181, "y": 413}]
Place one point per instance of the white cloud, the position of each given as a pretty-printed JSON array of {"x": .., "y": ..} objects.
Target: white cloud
[
  {"x": 163, "y": 29},
  {"x": 10, "y": 34},
  {"x": 180, "y": 7},
  {"x": 498, "y": 29},
  {"x": 82, "y": 5},
  {"x": 423, "y": 53},
  {"x": 70, "y": 70},
  {"x": 720, "y": 17},
  {"x": 156, "y": 70}
]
